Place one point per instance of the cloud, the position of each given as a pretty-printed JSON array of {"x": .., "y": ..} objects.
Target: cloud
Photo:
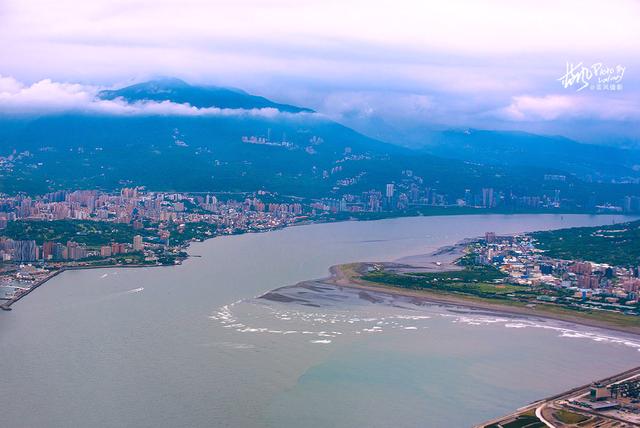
[
  {"x": 43, "y": 95},
  {"x": 364, "y": 104},
  {"x": 460, "y": 63},
  {"x": 561, "y": 107},
  {"x": 9, "y": 85},
  {"x": 47, "y": 96},
  {"x": 380, "y": 113},
  {"x": 458, "y": 26}
]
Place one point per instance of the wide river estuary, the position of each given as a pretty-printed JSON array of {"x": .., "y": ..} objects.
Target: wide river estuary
[{"x": 190, "y": 346}]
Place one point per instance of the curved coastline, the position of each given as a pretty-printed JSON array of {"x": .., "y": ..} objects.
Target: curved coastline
[{"x": 340, "y": 278}]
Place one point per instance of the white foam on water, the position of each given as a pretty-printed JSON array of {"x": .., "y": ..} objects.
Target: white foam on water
[
  {"x": 320, "y": 341},
  {"x": 231, "y": 345},
  {"x": 356, "y": 322},
  {"x": 564, "y": 332},
  {"x": 412, "y": 317},
  {"x": 516, "y": 325}
]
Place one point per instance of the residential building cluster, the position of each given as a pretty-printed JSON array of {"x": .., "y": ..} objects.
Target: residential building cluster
[
  {"x": 29, "y": 251},
  {"x": 156, "y": 213},
  {"x": 572, "y": 282},
  {"x": 158, "y": 226}
]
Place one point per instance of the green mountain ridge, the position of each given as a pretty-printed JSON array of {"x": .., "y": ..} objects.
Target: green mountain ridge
[
  {"x": 596, "y": 162},
  {"x": 304, "y": 155},
  {"x": 515, "y": 148}
]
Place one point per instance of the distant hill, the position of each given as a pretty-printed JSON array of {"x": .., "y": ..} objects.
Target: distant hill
[
  {"x": 523, "y": 149},
  {"x": 508, "y": 148},
  {"x": 178, "y": 91},
  {"x": 298, "y": 153},
  {"x": 614, "y": 244}
]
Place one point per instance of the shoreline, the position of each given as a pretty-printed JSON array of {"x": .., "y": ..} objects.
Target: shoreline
[
  {"x": 341, "y": 276},
  {"x": 6, "y": 306},
  {"x": 472, "y": 303}
]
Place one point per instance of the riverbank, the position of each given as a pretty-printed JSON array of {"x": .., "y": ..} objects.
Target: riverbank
[
  {"x": 604, "y": 321},
  {"x": 350, "y": 276},
  {"x": 441, "y": 260}
]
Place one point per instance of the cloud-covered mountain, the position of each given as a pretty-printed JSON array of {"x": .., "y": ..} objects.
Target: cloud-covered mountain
[
  {"x": 169, "y": 135},
  {"x": 177, "y": 91}
]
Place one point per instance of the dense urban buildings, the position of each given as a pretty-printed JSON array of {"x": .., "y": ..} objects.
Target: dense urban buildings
[
  {"x": 162, "y": 213},
  {"x": 65, "y": 229},
  {"x": 579, "y": 284}
]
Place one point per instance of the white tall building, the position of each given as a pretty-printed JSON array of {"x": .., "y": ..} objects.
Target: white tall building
[
  {"x": 390, "y": 190},
  {"x": 137, "y": 243}
]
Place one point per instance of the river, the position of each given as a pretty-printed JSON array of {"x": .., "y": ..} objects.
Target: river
[{"x": 189, "y": 346}]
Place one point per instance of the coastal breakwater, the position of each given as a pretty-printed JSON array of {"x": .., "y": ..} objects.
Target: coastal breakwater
[{"x": 6, "y": 306}]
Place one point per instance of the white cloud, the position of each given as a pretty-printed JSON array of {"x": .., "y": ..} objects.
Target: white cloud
[
  {"x": 487, "y": 27},
  {"x": 47, "y": 96},
  {"x": 9, "y": 85},
  {"x": 555, "y": 107},
  {"x": 462, "y": 45},
  {"x": 457, "y": 63},
  {"x": 365, "y": 104}
]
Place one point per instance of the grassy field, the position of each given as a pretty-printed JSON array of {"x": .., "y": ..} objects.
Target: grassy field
[
  {"x": 486, "y": 295},
  {"x": 524, "y": 420},
  {"x": 570, "y": 418},
  {"x": 476, "y": 281},
  {"x": 617, "y": 244}
]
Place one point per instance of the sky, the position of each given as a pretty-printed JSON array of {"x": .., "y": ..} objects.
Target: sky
[{"x": 393, "y": 69}]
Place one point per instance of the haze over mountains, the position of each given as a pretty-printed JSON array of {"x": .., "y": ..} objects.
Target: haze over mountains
[
  {"x": 169, "y": 135},
  {"x": 512, "y": 148}
]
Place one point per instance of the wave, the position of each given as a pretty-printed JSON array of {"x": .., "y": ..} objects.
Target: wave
[
  {"x": 564, "y": 332},
  {"x": 271, "y": 318}
]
